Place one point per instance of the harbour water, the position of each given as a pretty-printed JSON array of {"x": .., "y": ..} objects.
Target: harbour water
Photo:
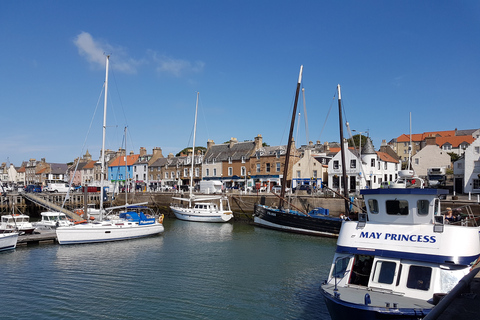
[{"x": 192, "y": 271}]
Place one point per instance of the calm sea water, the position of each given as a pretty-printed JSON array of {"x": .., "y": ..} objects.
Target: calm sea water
[{"x": 192, "y": 271}]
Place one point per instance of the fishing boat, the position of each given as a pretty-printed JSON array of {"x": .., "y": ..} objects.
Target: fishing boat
[
  {"x": 16, "y": 223},
  {"x": 316, "y": 222},
  {"x": 8, "y": 241},
  {"x": 51, "y": 220},
  {"x": 130, "y": 225},
  {"x": 201, "y": 209},
  {"x": 400, "y": 257}
]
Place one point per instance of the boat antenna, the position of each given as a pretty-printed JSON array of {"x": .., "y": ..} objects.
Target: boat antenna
[
  {"x": 126, "y": 169},
  {"x": 342, "y": 150},
  {"x": 410, "y": 145},
  {"x": 103, "y": 138},
  {"x": 289, "y": 144}
]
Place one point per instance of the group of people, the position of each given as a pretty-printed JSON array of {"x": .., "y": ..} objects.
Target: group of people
[{"x": 450, "y": 217}]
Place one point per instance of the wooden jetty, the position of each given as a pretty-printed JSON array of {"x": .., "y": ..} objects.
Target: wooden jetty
[{"x": 37, "y": 238}]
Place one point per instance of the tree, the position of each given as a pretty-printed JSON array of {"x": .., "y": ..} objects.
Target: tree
[
  {"x": 189, "y": 149},
  {"x": 356, "y": 139},
  {"x": 453, "y": 156}
]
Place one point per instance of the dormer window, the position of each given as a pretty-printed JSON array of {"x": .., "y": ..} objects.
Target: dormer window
[
  {"x": 243, "y": 159},
  {"x": 230, "y": 160}
]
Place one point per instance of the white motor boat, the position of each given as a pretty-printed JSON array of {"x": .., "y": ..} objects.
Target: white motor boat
[
  {"x": 8, "y": 241},
  {"x": 399, "y": 258},
  {"x": 51, "y": 220},
  {"x": 16, "y": 222}
]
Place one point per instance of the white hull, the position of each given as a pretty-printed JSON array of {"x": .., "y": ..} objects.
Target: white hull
[
  {"x": 103, "y": 232},
  {"x": 8, "y": 241},
  {"x": 190, "y": 214}
]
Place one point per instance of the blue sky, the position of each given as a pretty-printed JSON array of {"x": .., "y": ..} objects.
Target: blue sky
[{"x": 390, "y": 58}]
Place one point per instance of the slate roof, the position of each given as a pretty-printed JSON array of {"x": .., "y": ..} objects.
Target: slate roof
[
  {"x": 58, "y": 168},
  {"x": 221, "y": 152}
]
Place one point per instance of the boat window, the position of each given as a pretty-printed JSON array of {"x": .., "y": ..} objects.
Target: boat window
[
  {"x": 397, "y": 207},
  {"x": 384, "y": 272},
  {"x": 422, "y": 207},
  {"x": 361, "y": 270},
  {"x": 419, "y": 277},
  {"x": 340, "y": 267},
  {"x": 373, "y": 205}
]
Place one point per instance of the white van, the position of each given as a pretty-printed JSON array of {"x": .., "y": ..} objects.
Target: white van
[{"x": 58, "y": 187}]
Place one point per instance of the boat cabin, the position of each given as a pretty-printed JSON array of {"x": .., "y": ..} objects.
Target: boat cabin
[{"x": 402, "y": 206}]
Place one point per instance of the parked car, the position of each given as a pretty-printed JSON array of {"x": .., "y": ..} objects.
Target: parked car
[
  {"x": 304, "y": 187},
  {"x": 277, "y": 189},
  {"x": 33, "y": 188}
]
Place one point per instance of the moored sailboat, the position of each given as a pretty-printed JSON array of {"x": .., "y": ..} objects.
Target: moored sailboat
[
  {"x": 128, "y": 226},
  {"x": 315, "y": 222},
  {"x": 201, "y": 209}
]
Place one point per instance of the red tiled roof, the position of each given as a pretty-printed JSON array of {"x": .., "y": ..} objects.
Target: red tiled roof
[
  {"x": 89, "y": 165},
  {"x": 422, "y": 136},
  {"x": 454, "y": 141},
  {"x": 120, "y": 161},
  {"x": 386, "y": 157}
]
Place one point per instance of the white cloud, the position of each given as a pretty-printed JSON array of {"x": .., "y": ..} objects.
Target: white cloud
[
  {"x": 95, "y": 50},
  {"x": 176, "y": 67}
]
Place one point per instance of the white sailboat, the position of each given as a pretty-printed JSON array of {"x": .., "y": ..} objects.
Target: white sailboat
[
  {"x": 129, "y": 225},
  {"x": 201, "y": 209}
]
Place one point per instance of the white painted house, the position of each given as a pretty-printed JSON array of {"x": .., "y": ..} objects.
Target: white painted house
[{"x": 466, "y": 170}]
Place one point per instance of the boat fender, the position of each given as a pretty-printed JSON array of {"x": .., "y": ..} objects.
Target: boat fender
[{"x": 367, "y": 299}]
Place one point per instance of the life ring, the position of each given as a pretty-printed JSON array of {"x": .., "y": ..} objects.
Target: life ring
[{"x": 160, "y": 219}]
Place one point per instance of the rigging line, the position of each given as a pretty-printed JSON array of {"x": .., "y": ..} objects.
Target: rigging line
[
  {"x": 305, "y": 114},
  {"x": 84, "y": 143},
  {"x": 328, "y": 113},
  {"x": 204, "y": 118}
]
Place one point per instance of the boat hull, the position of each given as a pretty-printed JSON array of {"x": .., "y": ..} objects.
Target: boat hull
[
  {"x": 340, "y": 310},
  {"x": 91, "y": 232},
  {"x": 324, "y": 226},
  {"x": 8, "y": 241},
  {"x": 192, "y": 215}
]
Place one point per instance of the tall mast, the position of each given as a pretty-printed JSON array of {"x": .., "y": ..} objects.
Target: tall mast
[
  {"x": 193, "y": 149},
  {"x": 103, "y": 138},
  {"x": 126, "y": 168},
  {"x": 289, "y": 144},
  {"x": 342, "y": 149}
]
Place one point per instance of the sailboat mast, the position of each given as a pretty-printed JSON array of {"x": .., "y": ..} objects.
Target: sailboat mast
[
  {"x": 126, "y": 168},
  {"x": 193, "y": 149},
  {"x": 103, "y": 138},
  {"x": 289, "y": 144},
  {"x": 342, "y": 150}
]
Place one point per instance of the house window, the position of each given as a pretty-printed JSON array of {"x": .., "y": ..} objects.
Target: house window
[
  {"x": 378, "y": 162},
  {"x": 178, "y": 174},
  {"x": 230, "y": 171},
  {"x": 243, "y": 171},
  {"x": 372, "y": 163},
  {"x": 267, "y": 167},
  {"x": 278, "y": 154},
  {"x": 385, "y": 165},
  {"x": 335, "y": 164},
  {"x": 315, "y": 174},
  {"x": 185, "y": 172},
  {"x": 166, "y": 175},
  {"x": 214, "y": 172},
  {"x": 207, "y": 172},
  {"x": 477, "y": 150},
  {"x": 197, "y": 172},
  {"x": 172, "y": 175},
  {"x": 353, "y": 163},
  {"x": 258, "y": 167},
  {"x": 298, "y": 174},
  {"x": 417, "y": 160},
  {"x": 278, "y": 167},
  {"x": 476, "y": 183}
]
